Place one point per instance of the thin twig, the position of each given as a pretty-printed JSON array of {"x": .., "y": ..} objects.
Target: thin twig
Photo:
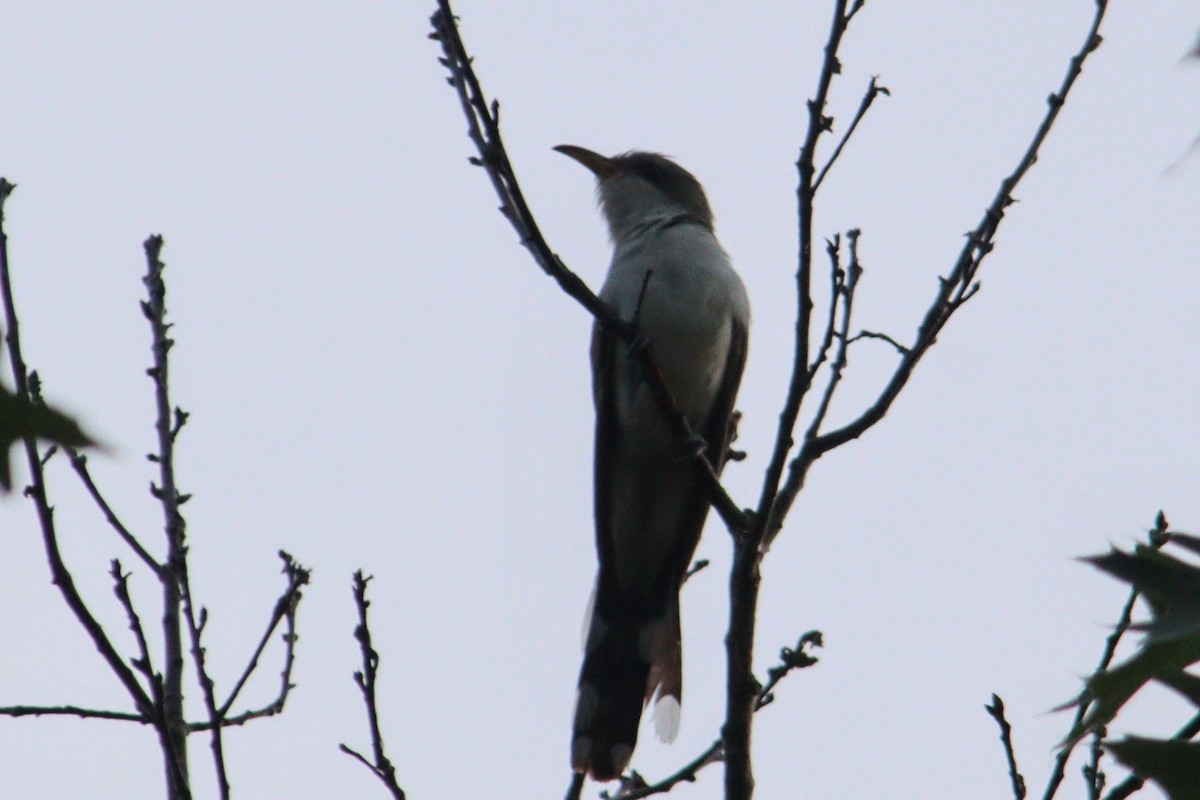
[
  {"x": 996, "y": 710},
  {"x": 848, "y": 283},
  {"x": 837, "y": 275},
  {"x": 79, "y": 464},
  {"x": 285, "y": 609},
  {"x": 207, "y": 685},
  {"x": 685, "y": 774},
  {"x": 838, "y": 366},
  {"x": 73, "y": 711},
  {"x": 1085, "y": 701},
  {"x": 865, "y": 334},
  {"x": 381, "y": 767},
  {"x": 143, "y": 662},
  {"x": 873, "y": 91}
]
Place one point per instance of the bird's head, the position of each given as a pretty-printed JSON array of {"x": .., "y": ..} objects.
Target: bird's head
[{"x": 636, "y": 187}]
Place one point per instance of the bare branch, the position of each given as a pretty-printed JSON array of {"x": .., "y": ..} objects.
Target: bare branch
[
  {"x": 799, "y": 657},
  {"x": 285, "y": 609},
  {"x": 73, "y": 711},
  {"x": 790, "y": 659},
  {"x": 865, "y": 334},
  {"x": 483, "y": 127},
  {"x": 207, "y": 687},
  {"x": 849, "y": 283},
  {"x": 142, "y": 663},
  {"x": 873, "y": 91},
  {"x": 634, "y": 787},
  {"x": 173, "y": 572},
  {"x": 996, "y": 710},
  {"x": 381, "y": 766},
  {"x": 837, "y": 276},
  {"x": 79, "y": 464}
]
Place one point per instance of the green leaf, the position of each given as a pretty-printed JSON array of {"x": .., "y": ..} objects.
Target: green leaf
[
  {"x": 20, "y": 419},
  {"x": 1173, "y": 765},
  {"x": 1111, "y": 689},
  {"x": 1185, "y": 540},
  {"x": 1172, "y": 643},
  {"x": 1171, "y": 586},
  {"x": 1185, "y": 683}
]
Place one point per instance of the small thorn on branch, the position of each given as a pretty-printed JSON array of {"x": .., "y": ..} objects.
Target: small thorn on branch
[
  {"x": 181, "y": 418},
  {"x": 698, "y": 565}
]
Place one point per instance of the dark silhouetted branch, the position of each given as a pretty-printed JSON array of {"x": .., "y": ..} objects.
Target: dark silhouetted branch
[
  {"x": 284, "y": 611},
  {"x": 873, "y": 91},
  {"x": 173, "y": 574},
  {"x": 142, "y": 663},
  {"x": 996, "y": 710},
  {"x": 790, "y": 659},
  {"x": 73, "y": 711},
  {"x": 381, "y": 766},
  {"x": 79, "y": 464}
]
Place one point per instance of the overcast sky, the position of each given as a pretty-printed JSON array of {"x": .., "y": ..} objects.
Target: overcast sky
[{"x": 380, "y": 377}]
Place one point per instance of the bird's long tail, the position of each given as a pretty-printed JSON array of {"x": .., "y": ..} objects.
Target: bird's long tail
[{"x": 628, "y": 660}]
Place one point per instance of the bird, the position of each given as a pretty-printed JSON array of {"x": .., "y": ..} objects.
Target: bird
[{"x": 670, "y": 278}]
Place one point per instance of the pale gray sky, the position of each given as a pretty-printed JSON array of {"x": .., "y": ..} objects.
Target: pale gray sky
[{"x": 379, "y": 376}]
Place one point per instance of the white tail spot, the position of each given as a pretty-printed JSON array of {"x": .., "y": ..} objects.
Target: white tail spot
[{"x": 666, "y": 718}]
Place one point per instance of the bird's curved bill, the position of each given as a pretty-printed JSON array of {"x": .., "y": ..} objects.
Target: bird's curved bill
[{"x": 601, "y": 166}]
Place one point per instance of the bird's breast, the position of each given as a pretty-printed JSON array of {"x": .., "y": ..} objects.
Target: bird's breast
[{"x": 678, "y": 287}]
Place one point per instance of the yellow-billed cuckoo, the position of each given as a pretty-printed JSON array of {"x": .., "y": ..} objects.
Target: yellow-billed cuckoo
[{"x": 670, "y": 277}]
